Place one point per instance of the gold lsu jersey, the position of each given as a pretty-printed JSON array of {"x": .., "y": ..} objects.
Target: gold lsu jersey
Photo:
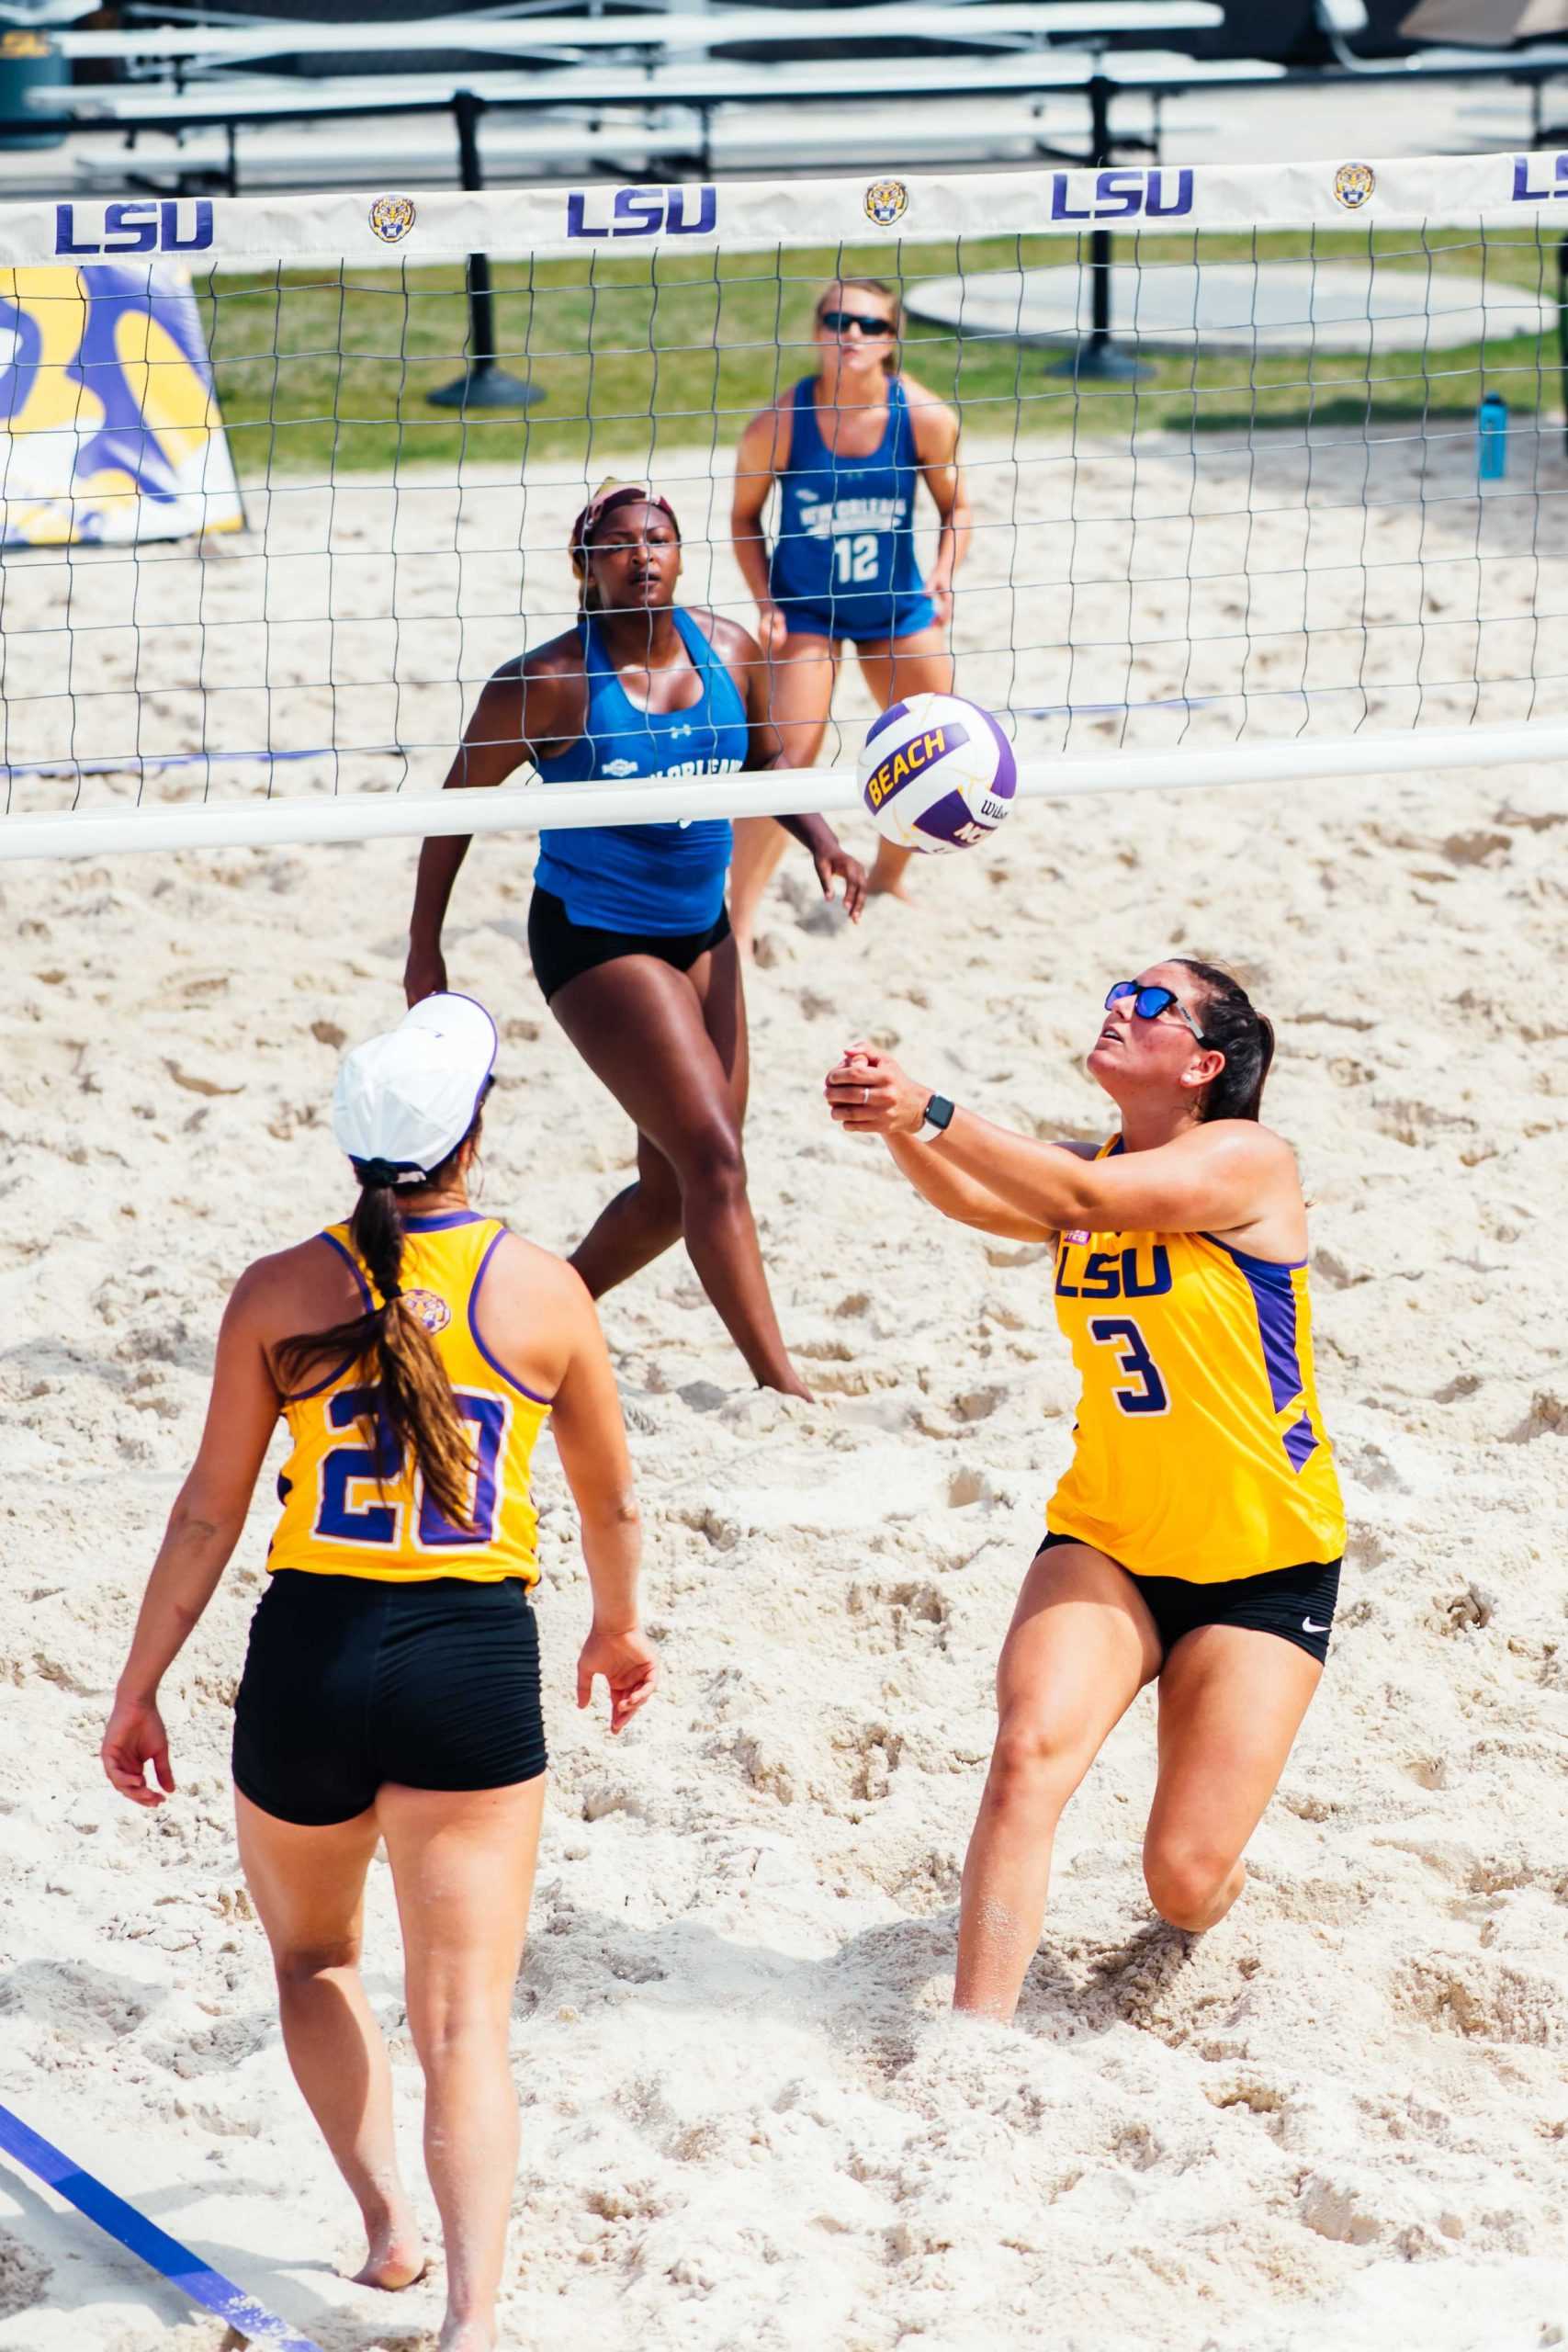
[
  {"x": 1200, "y": 1449},
  {"x": 351, "y": 1506}
]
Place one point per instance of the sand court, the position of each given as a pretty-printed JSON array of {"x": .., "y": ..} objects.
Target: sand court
[{"x": 1340, "y": 2119}]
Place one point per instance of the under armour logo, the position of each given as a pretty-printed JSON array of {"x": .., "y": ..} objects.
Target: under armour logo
[{"x": 677, "y": 731}]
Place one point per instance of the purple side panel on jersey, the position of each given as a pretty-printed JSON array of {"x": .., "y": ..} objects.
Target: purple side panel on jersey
[
  {"x": 943, "y": 822},
  {"x": 1300, "y": 1442},
  {"x": 1273, "y": 1284},
  {"x": 1004, "y": 783},
  {"x": 894, "y": 710}
]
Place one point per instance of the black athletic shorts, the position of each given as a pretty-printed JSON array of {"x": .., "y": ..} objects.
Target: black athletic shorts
[
  {"x": 1296, "y": 1603},
  {"x": 349, "y": 1682},
  {"x": 561, "y": 949}
]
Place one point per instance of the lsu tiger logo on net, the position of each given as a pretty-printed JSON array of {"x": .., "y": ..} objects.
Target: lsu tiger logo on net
[
  {"x": 1354, "y": 183},
  {"x": 391, "y": 218},
  {"x": 887, "y": 202}
]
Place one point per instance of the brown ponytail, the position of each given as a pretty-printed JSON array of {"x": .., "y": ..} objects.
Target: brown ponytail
[
  {"x": 392, "y": 1342},
  {"x": 1233, "y": 1025}
]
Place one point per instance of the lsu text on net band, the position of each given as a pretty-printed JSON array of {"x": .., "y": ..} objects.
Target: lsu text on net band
[{"x": 252, "y": 581}]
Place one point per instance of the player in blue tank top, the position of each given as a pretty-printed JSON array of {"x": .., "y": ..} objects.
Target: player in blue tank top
[
  {"x": 844, "y": 454},
  {"x": 627, "y": 929}
]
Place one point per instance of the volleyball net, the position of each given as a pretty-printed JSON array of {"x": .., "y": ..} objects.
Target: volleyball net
[{"x": 285, "y": 480}]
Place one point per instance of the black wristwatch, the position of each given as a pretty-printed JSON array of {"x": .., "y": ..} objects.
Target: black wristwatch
[{"x": 935, "y": 1119}]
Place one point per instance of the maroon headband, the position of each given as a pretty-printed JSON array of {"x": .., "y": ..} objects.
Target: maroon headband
[{"x": 625, "y": 494}]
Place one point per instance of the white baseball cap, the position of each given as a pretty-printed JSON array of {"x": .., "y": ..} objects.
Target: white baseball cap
[{"x": 404, "y": 1100}]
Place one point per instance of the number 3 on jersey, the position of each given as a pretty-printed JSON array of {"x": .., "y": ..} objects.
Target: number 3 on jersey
[{"x": 1133, "y": 1362}]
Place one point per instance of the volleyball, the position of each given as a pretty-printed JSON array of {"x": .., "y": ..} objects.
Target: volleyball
[{"x": 937, "y": 773}]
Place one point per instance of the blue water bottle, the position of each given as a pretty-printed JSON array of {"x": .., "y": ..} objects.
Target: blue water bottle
[{"x": 1492, "y": 437}]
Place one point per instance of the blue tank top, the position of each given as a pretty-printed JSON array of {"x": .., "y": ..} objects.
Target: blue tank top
[
  {"x": 664, "y": 878},
  {"x": 845, "y": 539}
]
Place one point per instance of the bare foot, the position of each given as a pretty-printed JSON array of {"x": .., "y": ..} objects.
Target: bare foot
[
  {"x": 468, "y": 2336},
  {"x": 397, "y": 2259},
  {"x": 886, "y": 877}
]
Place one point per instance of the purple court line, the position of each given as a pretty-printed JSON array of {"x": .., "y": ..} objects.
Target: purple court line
[
  {"x": 154, "y": 763},
  {"x": 147, "y": 2240},
  {"x": 1098, "y": 709}
]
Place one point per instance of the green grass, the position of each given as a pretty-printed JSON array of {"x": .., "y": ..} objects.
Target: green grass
[{"x": 328, "y": 374}]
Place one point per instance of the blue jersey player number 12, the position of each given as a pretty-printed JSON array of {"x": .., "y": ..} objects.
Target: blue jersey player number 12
[{"x": 839, "y": 460}]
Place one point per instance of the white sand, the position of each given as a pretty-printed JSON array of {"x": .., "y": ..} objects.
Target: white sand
[{"x": 1337, "y": 2125}]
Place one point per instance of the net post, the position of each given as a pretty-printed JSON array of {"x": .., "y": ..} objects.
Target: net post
[
  {"x": 483, "y": 383},
  {"x": 1100, "y": 357},
  {"x": 1563, "y": 327}
]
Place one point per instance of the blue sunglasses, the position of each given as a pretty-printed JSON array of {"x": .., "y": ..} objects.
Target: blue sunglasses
[{"x": 1150, "y": 1002}]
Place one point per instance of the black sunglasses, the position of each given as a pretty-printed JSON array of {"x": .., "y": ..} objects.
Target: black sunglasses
[
  {"x": 1150, "y": 1002},
  {"x": 838, "y": 321}
]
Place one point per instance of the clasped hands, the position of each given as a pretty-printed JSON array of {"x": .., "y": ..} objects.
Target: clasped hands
[{"x": 869, "y": 1093}]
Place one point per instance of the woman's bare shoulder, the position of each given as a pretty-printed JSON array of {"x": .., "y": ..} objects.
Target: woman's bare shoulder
[
  {"x": 558, "y": 657},
  {"x": 534, "y": 1313},
  {"x": 765, "y": 438},
  {"x": 920, "y": 396},
  {"x": 1249, "y": 1141},
  {"x": 525, "y": 1276},
  {"x": 730, "y": 640},
  {"x": 313, "y": 1281}
]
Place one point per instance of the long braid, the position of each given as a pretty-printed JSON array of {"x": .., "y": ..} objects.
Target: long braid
[{"x": 414, "y": 1393}]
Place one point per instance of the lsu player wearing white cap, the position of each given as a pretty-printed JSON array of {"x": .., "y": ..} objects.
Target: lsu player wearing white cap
[{"x": 391, "y": 1685}]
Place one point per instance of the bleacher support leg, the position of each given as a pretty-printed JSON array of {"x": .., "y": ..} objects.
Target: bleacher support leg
[
  {"x": 484, "y": 383},
  {"x": 1100, "y": 357}
]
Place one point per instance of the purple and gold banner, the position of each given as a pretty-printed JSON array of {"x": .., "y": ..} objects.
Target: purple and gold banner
[{"x": 109, "y": 426}]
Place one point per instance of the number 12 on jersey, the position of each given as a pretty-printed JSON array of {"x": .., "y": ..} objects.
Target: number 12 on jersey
[
  {"x": 856, "y": 559},
  {"x": 1133, "y": 1362}
]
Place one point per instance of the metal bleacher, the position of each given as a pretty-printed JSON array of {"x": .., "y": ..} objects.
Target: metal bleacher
[{"x": 222, "y": 106}]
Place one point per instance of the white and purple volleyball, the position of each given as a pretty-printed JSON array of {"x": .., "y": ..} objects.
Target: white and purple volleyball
[{"x": 937, "y": 773}]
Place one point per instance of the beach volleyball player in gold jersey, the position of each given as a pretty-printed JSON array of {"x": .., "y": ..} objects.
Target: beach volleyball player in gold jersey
[
  {"x": 391, "y": 1685},
  {"x": 1196, "y": 1537}
]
